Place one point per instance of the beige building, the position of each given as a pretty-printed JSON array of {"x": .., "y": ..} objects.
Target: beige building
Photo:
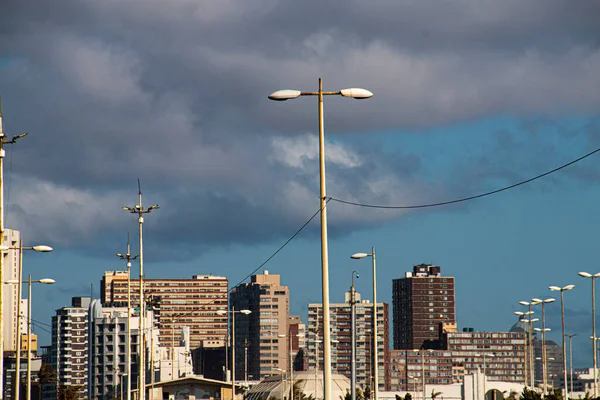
[
  {"x": 10, "y": 271},
  {"x": 190, "y": 302},
  {"x": 265, "y": 330}
]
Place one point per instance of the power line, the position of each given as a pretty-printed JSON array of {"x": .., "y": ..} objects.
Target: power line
[{"x": 443, "y": 203}]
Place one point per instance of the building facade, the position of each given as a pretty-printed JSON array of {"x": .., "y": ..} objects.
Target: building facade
[
  {"x": 297, "y": 333},
  {"x": 69, "y": 351},
  {"x": 10, "y": 271},
  {"x": 341, "y": 336},
  {"x": 265, "y": 331},
  {"x": 190, "y": 302},
  {"x": 422, "y": 301}
]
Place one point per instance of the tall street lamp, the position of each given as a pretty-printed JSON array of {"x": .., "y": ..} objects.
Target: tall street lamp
[
  {"x": 317, "y": 341},
  {"x": 353, "y": 337},
  {"x": 2, "y": 154},
  {"x": 416, "y": 351},
  {"x": 592, "y": 278},
  {"x": 282, "y": 95},
  {"x": 484, "y": 372},
  {"x": 531, "y": 371},
  {"x": 46, "y": 281},
  {"x": 375, "y": 314},
  {"x": 233, "y": 311},
  {"x": 139, "y": 210},
  {"x": 570, "y": 336},
  {"x": 562, "y": 290},
  {"x": 21, "y": 248},
  {"x": 543, "y": 331},
  {"x": 290, "y": 336},
  {"x": 128, "y": 258}
]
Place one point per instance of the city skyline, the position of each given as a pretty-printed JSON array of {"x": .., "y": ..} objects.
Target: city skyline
[{"x": 467, "y": 99}]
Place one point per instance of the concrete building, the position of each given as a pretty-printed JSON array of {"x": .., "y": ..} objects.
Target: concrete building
[
  {"x": 422, "y": 301},
  {"x": 69, "y": 352},
  {"x": 297, "y": 332},
  {"x": 189, "y": 302},
  {"x": 341, "y": 336},
  {"x": 10, "y": 271},
  {"x": 554, "y": 362},
  {"x": 265, "y": 330}
]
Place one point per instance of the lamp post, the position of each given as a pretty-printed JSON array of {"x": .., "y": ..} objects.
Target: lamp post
[
  {"x": 562, "y": 290},
  {"x": 570, "y": 336},
  {"x": 353, "y": 337},
  {"x": 299, "y": 335},
  {"x": 415, "y": 380},
  {"x": 281, "y": 385},
  {"x": 416, "y": 351},
  {"x": 529, "y": 355},
  {"x": 527, "y": 328},
  {"x": 375, "y": 314},
  {"x": 128, "y": 258},
  {"x": 282, "y": 95},
  {"x": 233, "y": 311},
  {"x": 543, "y": 359},
  {"x": 2, "y": 154},
  {"x": 317, "y": 341},
  {"x": 592, "y": 277},
  {"x": 29, "y": 281},
  {"x": 139, "y": 210},
  {"x": 484, "y": 373},
  {"x": 543, "y": 330},
  {"x": 21, "y": 248}
]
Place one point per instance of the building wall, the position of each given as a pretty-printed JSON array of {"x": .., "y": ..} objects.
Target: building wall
[
  {"x": 422, "y": 301},
  {"x": 265, "y": 330},
  {"x": 554, "y": 362},
  {"x": 69, "y": 351},
  {"x": 341, "y": 334},
  {"x": 10, "y": 271},
  {"x": 192, "y": 302},
  {"x": 297, "y": 332}
]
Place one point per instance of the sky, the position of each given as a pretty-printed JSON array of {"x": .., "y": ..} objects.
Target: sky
[{"x": 468, "y": 97}]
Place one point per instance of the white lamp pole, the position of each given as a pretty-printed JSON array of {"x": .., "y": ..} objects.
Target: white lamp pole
[
  {"x": 29, "y": 281},
  {"x": 128, "y": 258},
  {"x": 530, "y": 342},
  {"x": 233, "y": 311},
  {"x": 592, "y": 278},
  {"x": 543, "y": 331},
  {"x": 317, "y": 341},
  {"x": 139, "y": 210},
  {"x": 375, "y": 314},
  {"x": 570, "y": 336},
  {"x": 282, "y": 95},
  {"x": 562, "y": 290}
]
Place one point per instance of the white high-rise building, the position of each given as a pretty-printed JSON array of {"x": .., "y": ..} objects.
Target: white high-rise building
[{"x": 10, "y": 271}]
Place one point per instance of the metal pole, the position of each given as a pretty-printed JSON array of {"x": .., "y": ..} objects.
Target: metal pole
[
  {"x": 173, "y": 348},
  {"x": 142, "y": 371},
  {"x": 570, "y": 335},
  {"x": 18, "y": 330},
  {"x": 233, "y": 351},
  {"x": 246, "y": 361},
  {"x": 564, "y": 350},
  {"x": 128, "y": 320},
  {"x": 316, "y": 361},
  {"x": 594, "y": 335},
  {"x": 2, "y": 153},
  {"x": 324, "y": 256},
  {"x": 531, "y": 363},
  {"x": 375, "y": 337},
  {"x": 544, "y": 347},
  {"x": 423, "y": 371},
  {"x": 29, "y": 339},
  {"x": 353, "y": 340},
  {"x": 291, "y": 369}
]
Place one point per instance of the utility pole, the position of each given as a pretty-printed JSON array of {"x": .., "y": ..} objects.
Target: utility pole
[
  {"x": 2, "y": 154},
  {"x": 140, "y": 211}
]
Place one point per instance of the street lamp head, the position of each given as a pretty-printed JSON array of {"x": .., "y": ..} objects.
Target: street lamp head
[
  {"x": 128, "y": 264},
  {"x": 568, "y": 287},
  {"x": 535, "y": 320},
  {"x": 47, "y": 281},
  {"x": 519, "y": 313},
  {"x": 127, "y": 208},
  {"x": 4, "y": 248},
  {"x": 585, "y": 274},
  {"x": 283, "y": 95},
  {"x": 12, "y": 282},
  {"x": 554, "y": 288},
  {"x": 358, "y": 256},
  {"x": 119, "y": 255},
  {"x": 356, "y": 93},
  {"x": 42, "y": 248},
  {"x": 154, "y": 207},
  {"x": 221, "y": 312},
  {"x": 535, "y": 301},
  {"x": 245, "y": 312},
  {"x": 524, "y": 303},
  {"x": 550, "y": 300}
]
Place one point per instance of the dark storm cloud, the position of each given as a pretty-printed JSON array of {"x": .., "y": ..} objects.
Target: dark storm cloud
[{"x": 175, "y": 93}]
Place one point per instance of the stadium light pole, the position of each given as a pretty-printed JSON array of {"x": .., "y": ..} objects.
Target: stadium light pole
[
  {"x": 139, "y": 210},
  {"x": 562, "y": 291},
  {"x": 593, "y": 277},
  {"x": 356, "y": 93},
  {"x": 358, "y": 256},
  {"x": 128, "y": 258}
]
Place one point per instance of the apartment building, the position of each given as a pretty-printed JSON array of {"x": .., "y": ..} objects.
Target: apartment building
[
  {"x": 341, "y": 336},
  {"x": 297, "y": 334},
  {"x": 265, "y": 331},
  {"x": 405, "y": 369},
  {"x": 422, "y": 301},
  {"x": 10, "y": 271},
  {"x": 69, "y": 349},
  {"x": 190, "y": 302}
]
